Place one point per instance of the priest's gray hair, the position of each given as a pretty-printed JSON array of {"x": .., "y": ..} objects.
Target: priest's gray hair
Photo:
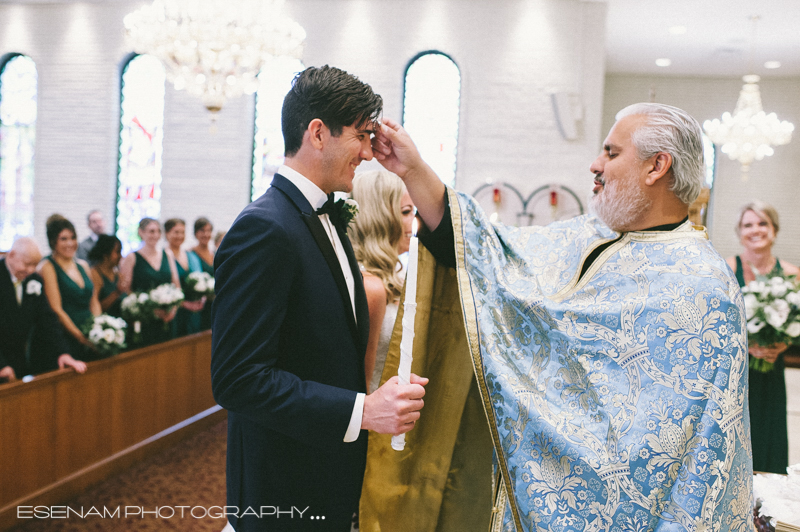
[{"x": 673, "y": 131}]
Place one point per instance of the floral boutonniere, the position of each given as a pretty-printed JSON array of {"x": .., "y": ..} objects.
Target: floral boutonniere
[
  {"x": 343, "y": 212},
  {"x": 34, "y": 287}
]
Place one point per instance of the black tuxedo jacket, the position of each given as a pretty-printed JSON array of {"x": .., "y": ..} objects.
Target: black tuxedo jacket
[
  {"x": 18, "y": 321},
  {"x": 287, "y": 362}
]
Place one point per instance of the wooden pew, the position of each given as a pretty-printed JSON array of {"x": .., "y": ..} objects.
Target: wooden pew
[{"x": 63, "y": 432}]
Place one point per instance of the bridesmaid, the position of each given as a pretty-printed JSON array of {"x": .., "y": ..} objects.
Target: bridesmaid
[
  {"x": 757, "y": 229},
  {"x": 69, "y": 289},
  {"x": 146, "y": 269},
  {"x": 201, "y": 258},
  {"x": 187, "y": 320},
  {"x": 105, "y": 255}
]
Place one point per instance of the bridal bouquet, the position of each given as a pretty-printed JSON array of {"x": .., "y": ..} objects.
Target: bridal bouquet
[
  {"x": 136, "y": 308},
  {"x": 107, "y": 334},
  {"x": 199, "y": 285},
  {"x": 773, "y": 314},
  {"x": 165, "y": 297}
]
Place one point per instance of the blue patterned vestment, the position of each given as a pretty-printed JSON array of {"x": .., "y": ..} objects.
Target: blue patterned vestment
[{"x": 617, "y": 401}]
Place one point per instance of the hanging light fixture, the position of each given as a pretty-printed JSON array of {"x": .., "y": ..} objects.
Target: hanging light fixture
[
  {"x": 214, "y": 48},
  {"x": 749, "y": 134}
]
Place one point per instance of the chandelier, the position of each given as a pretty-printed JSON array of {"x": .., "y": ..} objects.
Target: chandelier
[
  {"x": 214, "y": 48},
  {"x": 749, "y": 134}
]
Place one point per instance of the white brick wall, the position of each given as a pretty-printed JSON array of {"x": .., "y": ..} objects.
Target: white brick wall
[
  {"x": 773, "y": 179},
  {"x": 512, "y": 54}
]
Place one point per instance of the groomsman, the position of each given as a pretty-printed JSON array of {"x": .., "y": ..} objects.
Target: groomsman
[
  {"x": 290, "y": 325},
  {"x": 97, "y": 226},
  {"x": 23, "y": 307}
]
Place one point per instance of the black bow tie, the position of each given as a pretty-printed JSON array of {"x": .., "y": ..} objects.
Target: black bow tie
[{"x": 327, "y": 207}]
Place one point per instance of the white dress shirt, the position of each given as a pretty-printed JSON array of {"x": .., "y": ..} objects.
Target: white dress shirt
[{"x": 316, "y": 197}]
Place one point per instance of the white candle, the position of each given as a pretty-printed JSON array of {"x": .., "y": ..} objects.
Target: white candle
[{"x": 409, "y": 313}]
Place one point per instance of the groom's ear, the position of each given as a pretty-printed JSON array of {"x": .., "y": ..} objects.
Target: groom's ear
[{"x": 317, "y": 131}]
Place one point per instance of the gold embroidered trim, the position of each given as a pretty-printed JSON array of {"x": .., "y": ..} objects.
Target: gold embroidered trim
[
  {"x": 499, "y": 508},
  {"x": 685, "y": 230},
  {"x": 473, "y": 338}
]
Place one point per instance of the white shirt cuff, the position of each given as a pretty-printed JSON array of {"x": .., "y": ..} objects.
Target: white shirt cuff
[{"x": 354, "y": 428}]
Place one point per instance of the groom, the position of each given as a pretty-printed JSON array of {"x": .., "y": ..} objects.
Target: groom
[{"x": 290, "y": 325}]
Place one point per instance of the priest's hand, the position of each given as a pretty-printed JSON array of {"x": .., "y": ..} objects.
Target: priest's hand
[
  {"x": 394, "y": 408},
  {"x": 395, "y": 150}
]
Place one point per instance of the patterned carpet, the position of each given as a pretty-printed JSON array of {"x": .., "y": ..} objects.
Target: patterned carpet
[{"x": 191, "y": 474}]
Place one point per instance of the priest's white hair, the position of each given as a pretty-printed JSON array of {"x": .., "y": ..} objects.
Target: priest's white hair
[{"x": 673, "y": 131}]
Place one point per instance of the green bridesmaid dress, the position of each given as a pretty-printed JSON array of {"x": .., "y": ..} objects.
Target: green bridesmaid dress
[
  {"x": 186, "y": 321},
  {"x": 76, "y": 300},
  {"x": 109, "y": 286},
  {"x": 196, "y": 263},
  {"x": 146, "y": 278},
  {"x": 767, "y": 401}
]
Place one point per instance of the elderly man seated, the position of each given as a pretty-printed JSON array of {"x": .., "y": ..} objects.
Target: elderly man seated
[{"x": 23, "y": 306}]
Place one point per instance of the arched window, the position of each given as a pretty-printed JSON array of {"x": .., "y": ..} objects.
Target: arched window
[
  {"x": 430, "y": 110},
  {"x": 710, "y": 157},
  {"x": 275, "y": 80},
  {"x": 18, "y": 108},
  {"x": 140, "y": 145}
]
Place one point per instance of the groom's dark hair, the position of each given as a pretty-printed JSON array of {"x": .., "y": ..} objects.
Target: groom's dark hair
[{"x": 337, "y": 98}]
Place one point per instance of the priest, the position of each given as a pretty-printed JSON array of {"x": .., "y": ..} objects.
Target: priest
[{"x": 595, "y": 369}]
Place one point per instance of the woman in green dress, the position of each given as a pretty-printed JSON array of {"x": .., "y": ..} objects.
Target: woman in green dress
[
  {"x": 69, "y": 289},
  {"x": 201, "y": 258},
  {"x": 187, "y": 319},
  {"x": 105, "y": 255},
  {"x": 757, "y": 227},
  {"x": 146, "y": 269}
]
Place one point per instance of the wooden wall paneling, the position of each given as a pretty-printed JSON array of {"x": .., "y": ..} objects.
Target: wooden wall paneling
[
  {"x": 28, "y": 431},
  {"x": 63, "y": 432},
  {"x": 173, "y": 386},
  {"x": 132, "y": 399},
  {"x": 83, "y": 419},
  {"x": 201, "y": 381}
]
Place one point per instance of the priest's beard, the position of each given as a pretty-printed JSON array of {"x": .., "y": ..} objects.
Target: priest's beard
[{"x": 620, "y": 206}]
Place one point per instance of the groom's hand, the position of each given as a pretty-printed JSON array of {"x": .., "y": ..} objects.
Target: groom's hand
[{"x": 393, "y": 408}]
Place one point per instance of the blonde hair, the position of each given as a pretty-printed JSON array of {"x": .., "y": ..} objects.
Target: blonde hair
[
  {"x": 763, "y": 210},
  {"x": 377, "y": 229}
]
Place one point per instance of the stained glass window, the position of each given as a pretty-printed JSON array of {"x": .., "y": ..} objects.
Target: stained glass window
[
  {"x": 275, "y": 80},
  {"x": 140, "y": 146},
  {"x": 18, "y": 87},
  {"x": 430, "y": 111},
  {"x": 710, "y": 157}
]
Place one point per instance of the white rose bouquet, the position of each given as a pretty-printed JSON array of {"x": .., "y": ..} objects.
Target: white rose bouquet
[
  {"x": 773, "y": 314},
  {"x": 165, "y": 297},
  {"x": 107, "y": 334},
  {"x": 199, "y": 285},
  {"x": 136, "y": 308}
]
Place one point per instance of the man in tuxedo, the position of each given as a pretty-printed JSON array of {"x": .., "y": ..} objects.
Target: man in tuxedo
[
  {"x": 23, "y": 307},
  {"x": 290, "y": 325},
  {"x": 97, "y": 226}
]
